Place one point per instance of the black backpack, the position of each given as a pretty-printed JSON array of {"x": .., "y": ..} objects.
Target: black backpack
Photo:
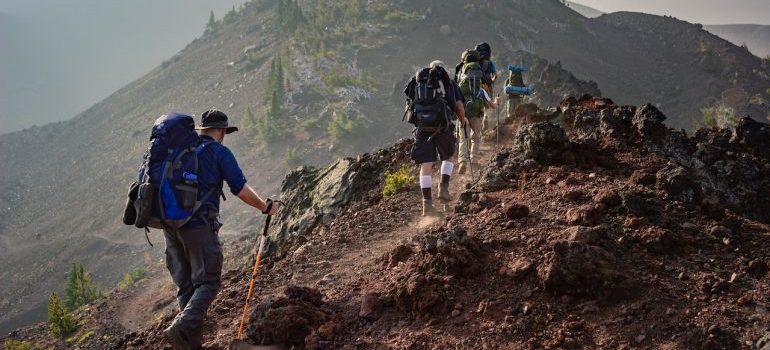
[{"x": 427, "y": 107}]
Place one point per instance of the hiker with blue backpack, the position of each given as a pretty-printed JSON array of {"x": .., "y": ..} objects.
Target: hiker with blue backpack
[
  {"x": 178, "y": 190},
  {"x": 433, "y": 102}
]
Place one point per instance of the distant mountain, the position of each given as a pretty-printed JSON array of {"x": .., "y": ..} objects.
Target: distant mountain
[
  {"x": 584, "y": 10},
  {"x": 756, "y": 37}
]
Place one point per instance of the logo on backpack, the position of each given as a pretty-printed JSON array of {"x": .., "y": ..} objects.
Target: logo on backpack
[{"x": 165, "y": 194}]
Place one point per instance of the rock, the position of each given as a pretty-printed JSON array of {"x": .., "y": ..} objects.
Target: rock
[
  {"x": 579, "y": 269},
  {"x": 329, "y": 330},
  {"x": 574, "y": 195},
  {"x": 515, "y": 211},
  {"x": 638, "y": 204},
  {"x": 720, "y": 231},
  {"x": 659, "y": 240},
  {"x": 399, "y": 254},
  {"x": 445, "y": 30},
  {"x": 678, "y": 184},
  {"x": 764, "y": 342},
  {"x": 648, "y": 121},
  {"x": 584, "y": 216},
  {"x": 370, "y": 305},
  {"x": 757, "y": 268},
  {"x": 589, "y": 235},
  {"x": 642, "y": 178},
  {"x": 543, "y": 142},
  {"x": 518, "y": 268},
  {"x": 608, "y": 197}
]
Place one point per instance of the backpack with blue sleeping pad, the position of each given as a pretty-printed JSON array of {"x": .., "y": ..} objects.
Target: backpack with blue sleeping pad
[{"x": 165, "y": 195}]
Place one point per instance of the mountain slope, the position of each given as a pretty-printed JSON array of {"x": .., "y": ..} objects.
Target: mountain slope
[
  {"x": 611, "y": 231},
  {"x": 62, "y": 185},
  {"x": 756, "y": 37},
  {"x": 584, "y": 10}
]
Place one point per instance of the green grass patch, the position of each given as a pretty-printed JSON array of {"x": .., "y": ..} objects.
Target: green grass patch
[
  {"x": 131, "y": 277},
  {"x": 12, "y": 344}
]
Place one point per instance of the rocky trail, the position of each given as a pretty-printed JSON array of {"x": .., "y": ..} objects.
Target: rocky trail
[{"x": 609, "y": 231}]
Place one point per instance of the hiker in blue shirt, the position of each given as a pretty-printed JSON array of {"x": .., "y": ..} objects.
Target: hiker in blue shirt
[{"x": 194, "y": 252}]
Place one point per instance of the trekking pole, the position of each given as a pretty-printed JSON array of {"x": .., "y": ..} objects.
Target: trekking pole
[
  {"x": 468, "y": 146},
  {"x": 254, "y": 274},
  {"x": 497, "y": 127}
]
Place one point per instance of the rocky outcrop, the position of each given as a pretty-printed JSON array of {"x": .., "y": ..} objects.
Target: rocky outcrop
[
  {"x": 716, "y": 169},
  {"x": 314, "y": 196}
]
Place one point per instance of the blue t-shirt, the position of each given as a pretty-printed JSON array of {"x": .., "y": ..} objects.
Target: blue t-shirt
[{"x": 216, "y": 165}]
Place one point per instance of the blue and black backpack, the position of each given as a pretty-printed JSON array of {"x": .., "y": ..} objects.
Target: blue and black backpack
[{"x": 165, "y": 195}]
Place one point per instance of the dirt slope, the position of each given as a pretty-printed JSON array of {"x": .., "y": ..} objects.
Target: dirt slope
[
  {"x": 62, "y": 185},
  {"x": 610, "y": 232}
]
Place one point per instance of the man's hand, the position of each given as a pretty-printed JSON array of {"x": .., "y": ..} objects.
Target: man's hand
[{"x": 273, "y": 207}]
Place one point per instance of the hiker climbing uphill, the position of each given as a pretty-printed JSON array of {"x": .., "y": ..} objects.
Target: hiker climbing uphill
[
  {"x": 432, "y": 100},
  {"x": 472, "y": 81},
  {"x": 515, "y": 89},
  {"x": 188, "y": 171}
]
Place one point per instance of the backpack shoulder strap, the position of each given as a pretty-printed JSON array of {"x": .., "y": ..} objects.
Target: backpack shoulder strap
[{"x": 198, "y": 151}]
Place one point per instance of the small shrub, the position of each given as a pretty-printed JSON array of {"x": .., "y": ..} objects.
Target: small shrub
[
  {"x": 401, "y": 16},
  {"x": 131, "y": 277},
  {"x": 292, "y": 157},
  {"x": 343, "y": 126},
  {"x": 398, "y": 181},
  {"x": 60, "y": 322},
  {"x": 11, "y": 344},
  {"x": 83, "y": 338},
  {"x": 718, "y": 116}
]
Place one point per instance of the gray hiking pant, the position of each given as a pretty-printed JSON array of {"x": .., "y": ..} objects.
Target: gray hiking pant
[{"x": 194, "y": 259}]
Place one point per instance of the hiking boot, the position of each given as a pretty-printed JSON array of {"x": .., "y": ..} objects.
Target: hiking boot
[
  {"x": 428, "y": 209},
  {"x": 176, "y": 338},
  {"x": 443, "y": 192}
]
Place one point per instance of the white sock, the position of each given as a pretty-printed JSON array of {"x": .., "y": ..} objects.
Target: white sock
[
  {"x": 425, "y": 182},
  {"x": 447, "y": 167}
]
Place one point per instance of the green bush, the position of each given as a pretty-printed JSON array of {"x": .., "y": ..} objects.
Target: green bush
[
  {"x": 292, "y": 157},
  {"x": 60, "y": 322},
  {"x": 398, "y": 181},
  {"x": 80, "y": 289},
  {"x": 343, "y": 126},
  {"x": 11, "y": 344},
  {"x": 131, "y": 277},
  {"x": 401, "y": 16},
  {"x": 718, "y": 116}
]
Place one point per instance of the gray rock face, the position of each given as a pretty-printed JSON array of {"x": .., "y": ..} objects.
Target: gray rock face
[{"x": 314, "y": 196}]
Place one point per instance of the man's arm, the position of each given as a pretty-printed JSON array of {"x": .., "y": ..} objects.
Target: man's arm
[
  {"x": 250, "y": 197},
  {"x": 460, "y": 112}
]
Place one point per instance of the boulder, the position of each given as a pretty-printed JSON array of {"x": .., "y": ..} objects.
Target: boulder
[{"x": 580, "y": 269}]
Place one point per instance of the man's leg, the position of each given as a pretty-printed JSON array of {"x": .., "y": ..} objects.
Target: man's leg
[
  {"x": 475, "y": 138},
  {"x": 426, "y": 183},
  {"x": 204, "y": 252},
  {"x": 463, "y": 146},
  {"x": 446, "y": 144},
  {"x": 179, "y": 267}
]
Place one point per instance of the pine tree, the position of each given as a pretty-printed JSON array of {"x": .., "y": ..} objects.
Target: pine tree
[
  {"x": 80, "y": 288},
  {"x": 250, "y": 122},
  {"x": 60, "y": 322},
  {"x": 211, "y": 26}
]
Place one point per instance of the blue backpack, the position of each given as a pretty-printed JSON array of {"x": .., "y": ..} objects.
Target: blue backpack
[{"x": 166, "y": 192}]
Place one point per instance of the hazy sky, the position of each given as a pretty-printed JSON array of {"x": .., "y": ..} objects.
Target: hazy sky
[
  {"x": 59, "y": 57},
  {"x": 697, "y": 11}
]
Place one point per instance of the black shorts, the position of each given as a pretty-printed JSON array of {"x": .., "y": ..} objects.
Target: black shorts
[{"x": 441, "y": 146}]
